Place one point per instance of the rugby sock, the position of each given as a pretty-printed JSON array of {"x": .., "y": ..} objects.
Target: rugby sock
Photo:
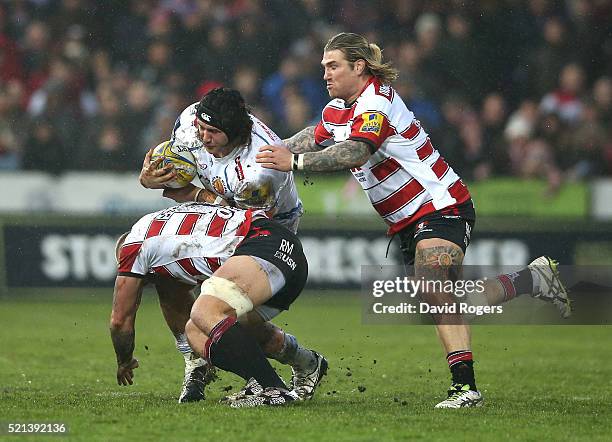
[
  {"x": 231, "y": 348},
  {"x": 182, "y": 345},
  {"x": 292, "y": 353},
  {"x": 517, "y": 283},
  {"x": 461, "y": 367}
]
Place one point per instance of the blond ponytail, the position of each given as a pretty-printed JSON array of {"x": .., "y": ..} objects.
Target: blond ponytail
[{"x": 356, "y": 47}]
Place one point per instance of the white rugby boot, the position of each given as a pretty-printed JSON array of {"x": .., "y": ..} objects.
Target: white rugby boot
[
  {"x": 551, "y": 289},
  {"x": 304, "y": 383},
  {"x": 461, "y": 396}
]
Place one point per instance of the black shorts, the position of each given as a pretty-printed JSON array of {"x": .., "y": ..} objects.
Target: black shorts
[
  {"x": 453, "y": 224},
  {"x": 274, "y": 243}
]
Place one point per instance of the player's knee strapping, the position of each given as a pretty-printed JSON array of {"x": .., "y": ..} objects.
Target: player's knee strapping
[{"x": 228, "y": 292}]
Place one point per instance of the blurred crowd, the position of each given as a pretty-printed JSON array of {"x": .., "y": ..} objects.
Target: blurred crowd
[{"x": 505, "y": 88}]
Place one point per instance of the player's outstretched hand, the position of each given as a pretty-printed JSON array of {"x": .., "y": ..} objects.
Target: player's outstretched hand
[
  {"x": 275, "y": 157},
  {"x": 125, "y": 372},
  {"x": 153, "y": 178}
]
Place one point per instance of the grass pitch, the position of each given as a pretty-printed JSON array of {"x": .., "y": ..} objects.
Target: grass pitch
[{"x": 539, "y": 382}]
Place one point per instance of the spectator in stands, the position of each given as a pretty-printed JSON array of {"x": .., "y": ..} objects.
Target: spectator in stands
[
  {"x": 493, "y": 115},
  {"x": 602, "y": 97},
  {"x": 36, "y": 53},
  {"x": 428, "y": 29},
  {"x": 44, "y": 150},
  {"x": 109, "y": 152},
  {"x": 158, "y": 64},
  {"x": 246, "y": 79},
  {"x": 566, "y": 100},
  {"x": 138, "y": 114},
  {"x": 545, "y": 61},
  {"x": 298, "y": 112},
  {"x": 290, "y": 72},
  {"x": 220, "y": 47},
  {"x": 408, "y": 59},
  {"x": 460, "y": 56},
  {"x": 583, "y": 145},
  {"x": 537, "y": 161}
]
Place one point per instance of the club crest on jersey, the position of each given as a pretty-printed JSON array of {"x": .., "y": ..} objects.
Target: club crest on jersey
[
  {"x": 218, "y": 185},
  {"x": 372, "y": 123}
]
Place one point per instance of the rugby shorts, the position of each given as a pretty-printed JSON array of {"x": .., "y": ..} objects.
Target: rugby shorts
[
  {"x": 453, "y": 224},
  {"x": 271, "y": 242}
]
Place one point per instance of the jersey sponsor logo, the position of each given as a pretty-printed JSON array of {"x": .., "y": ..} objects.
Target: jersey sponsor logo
[
  {"x": 257, "y": 231},
  {"x": 218, "y": 185},
  {"x": 372, "y": 123},
  {"x": 283, "y": 253},
  {"x": 266, "y": 130},
  {"x": 421, "y": 228},
  {"x": 239, "y": 171}
]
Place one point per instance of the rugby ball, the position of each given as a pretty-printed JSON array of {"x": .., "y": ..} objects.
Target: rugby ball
[{"x": 181, "y": 158}]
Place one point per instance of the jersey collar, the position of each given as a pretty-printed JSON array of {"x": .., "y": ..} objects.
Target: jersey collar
[{"x": 371, "y": 80}]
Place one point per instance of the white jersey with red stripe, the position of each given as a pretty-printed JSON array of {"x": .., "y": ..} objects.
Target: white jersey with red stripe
[
  {"x": 405, "y": 177},
  {"x": 237, "y": 173},
  {"x": 187, "y": 242}
]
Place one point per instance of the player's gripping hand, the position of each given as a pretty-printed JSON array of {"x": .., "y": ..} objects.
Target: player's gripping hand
[
  {"x": 125, "y": 372},
  {"x": 153, "y": 178},
  {"x": 275, "y": 157}
]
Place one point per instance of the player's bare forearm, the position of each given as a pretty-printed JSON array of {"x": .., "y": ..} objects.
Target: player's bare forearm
[
  {"x": 303, "y": 141},
  {"x": 189, "y": 193},
  {"x": 123, "y": 342},
  {"x": 126, "y": 299},
  {"x": 341, "y": 156},
  {"x": 182, "y": 195}
]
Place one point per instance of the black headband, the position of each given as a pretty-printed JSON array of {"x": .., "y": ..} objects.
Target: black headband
[{"x": 209, "y": 116}]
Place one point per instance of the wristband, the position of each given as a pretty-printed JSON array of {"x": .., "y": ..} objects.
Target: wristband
[
  {"x": 294, "y": 162},
  {"x": 298, "y": 161},
  {"x": 197, "y": 195},
  {"x": 218, "y": 200}
]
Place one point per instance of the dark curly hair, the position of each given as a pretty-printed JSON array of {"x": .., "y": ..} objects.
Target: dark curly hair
[{"x": 225, "y": 109}]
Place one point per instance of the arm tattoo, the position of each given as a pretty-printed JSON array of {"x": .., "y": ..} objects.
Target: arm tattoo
[
  {"x": 340, "y": 156},
  {"x": 123, "y": 341},
  {"x": 303, "y": 141}
]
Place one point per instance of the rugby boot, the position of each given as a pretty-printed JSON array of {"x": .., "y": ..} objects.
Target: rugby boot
[
  {"x": 551, "y": 288},
  {"x": 305, "y": 383},
  {"x": 251, "y": 388},
  {"x": 198, "y": 374},
  {"x": 461, "y": 396},
  {"x": 269, "y": 397}
]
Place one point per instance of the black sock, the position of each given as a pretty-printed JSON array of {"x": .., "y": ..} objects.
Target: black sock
[
  {"x": 516, "y": 284},
  {"x": 462, "y": 368},
  {"x": 232, "y": 349}
]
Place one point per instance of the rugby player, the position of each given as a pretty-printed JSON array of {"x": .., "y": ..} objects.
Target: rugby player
[
  {"x": 224, "y": 139},
  {"x": 367, "y": 128},
  {"x": 252, "y": 267}
]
